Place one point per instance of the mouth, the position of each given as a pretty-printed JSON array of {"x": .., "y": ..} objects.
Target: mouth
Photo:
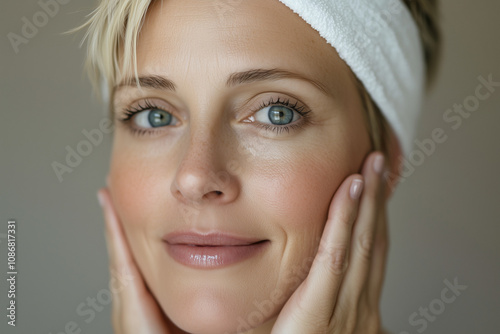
[{"x": 213, "y": 250}]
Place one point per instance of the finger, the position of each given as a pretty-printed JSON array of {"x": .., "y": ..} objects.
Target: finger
[
  {"x": 120, "y": 257},
  {"x": 120, "y": 263},
  {"x": 320, "y": 289},
  {"x": 364, "y": 231},
  {"x": 376, "y": 275},
  {"x": 134, "y": 307},
  {"x": 313, "y": 303}
]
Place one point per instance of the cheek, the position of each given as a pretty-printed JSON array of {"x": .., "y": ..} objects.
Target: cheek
[
  {"x": 298, "y": 191},
  {"x": 134, "y": 183},
  {"x": 127, "y": 189}
]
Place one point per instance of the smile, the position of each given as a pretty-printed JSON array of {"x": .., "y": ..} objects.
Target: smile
[{"x": 211, "y": 251}]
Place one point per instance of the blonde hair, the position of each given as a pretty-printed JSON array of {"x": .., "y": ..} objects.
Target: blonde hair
[
  {"x": 112, "y": 31},
  {"x": 113, "y": 28}
]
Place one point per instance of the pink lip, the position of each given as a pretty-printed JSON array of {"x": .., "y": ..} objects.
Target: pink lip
[{"x": 213, "y": 250}]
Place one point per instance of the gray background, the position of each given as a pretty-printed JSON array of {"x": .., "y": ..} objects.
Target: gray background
[{"x": 444, "y": 219}]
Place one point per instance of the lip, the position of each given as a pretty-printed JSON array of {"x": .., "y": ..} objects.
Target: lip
[{"x": 213, "y": 250}]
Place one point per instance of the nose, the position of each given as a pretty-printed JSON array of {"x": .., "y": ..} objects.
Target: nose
[{"x": 203, "y": 175}]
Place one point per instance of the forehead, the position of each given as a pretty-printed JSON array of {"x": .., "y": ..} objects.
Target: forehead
[{"x": 184, "y": 37}]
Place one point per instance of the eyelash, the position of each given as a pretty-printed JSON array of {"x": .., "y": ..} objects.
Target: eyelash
[
  {"x": 129, "y": 113},
  {"x": 300, "y": 109}
]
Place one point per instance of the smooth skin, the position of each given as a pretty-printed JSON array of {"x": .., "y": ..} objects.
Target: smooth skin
[
  {"x": 341, "y": 293},
  {"x": 215, "y": 168}
]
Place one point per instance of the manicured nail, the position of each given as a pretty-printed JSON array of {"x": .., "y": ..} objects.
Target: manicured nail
[
  {"x": 378, "y": 163},
  {"x": 356, "y": 188}
]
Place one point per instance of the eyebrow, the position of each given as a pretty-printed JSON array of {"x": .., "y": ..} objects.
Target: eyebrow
[{"x": 245, "y": 77}]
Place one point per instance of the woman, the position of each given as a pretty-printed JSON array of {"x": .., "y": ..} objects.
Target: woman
[{"x": 246, "y": 192}]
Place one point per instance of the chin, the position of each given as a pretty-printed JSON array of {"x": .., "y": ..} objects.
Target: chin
[{"x": 213, "y": 310}]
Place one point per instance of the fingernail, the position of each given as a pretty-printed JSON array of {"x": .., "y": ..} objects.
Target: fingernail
[
  {"x": 378, "y": 163},
  {"x": 100, "y": 199},
  {"x": 356, "y": 188}
]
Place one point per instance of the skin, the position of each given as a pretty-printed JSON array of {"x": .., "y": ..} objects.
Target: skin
[{"x": 216, "y": 169}]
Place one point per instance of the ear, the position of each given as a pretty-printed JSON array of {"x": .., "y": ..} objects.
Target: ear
[{"x": 395, "y": 157}]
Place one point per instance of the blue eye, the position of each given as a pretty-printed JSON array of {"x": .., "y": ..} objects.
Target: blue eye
[
  {"x": 153, "y": 118},
  {"x": 276, "y": 115},
  {"x": 281, "y": 116},
  {"x": 146, "y": 116},
  {"x": 157, "y": 118}
]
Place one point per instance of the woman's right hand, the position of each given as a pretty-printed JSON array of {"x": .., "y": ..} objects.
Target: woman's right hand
[{"x": 135, "y": 309}]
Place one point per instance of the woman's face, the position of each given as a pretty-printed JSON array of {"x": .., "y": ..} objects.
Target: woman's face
[{"x": 224, "y": 202}]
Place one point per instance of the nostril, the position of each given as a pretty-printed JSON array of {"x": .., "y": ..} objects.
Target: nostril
[{"x": 213, "y": 194}]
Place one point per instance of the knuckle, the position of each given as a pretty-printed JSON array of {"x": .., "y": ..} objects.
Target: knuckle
[
  {"x": 365, "y": 245},
  {"x": 347, "y": 217},
  {"x": 335, "y": 259}
]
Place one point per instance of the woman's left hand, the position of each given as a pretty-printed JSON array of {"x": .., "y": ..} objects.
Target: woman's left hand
[{"x": 336, "y": 297}]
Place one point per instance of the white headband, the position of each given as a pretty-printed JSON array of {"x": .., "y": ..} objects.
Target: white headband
[{"x": 379, "y": 41}]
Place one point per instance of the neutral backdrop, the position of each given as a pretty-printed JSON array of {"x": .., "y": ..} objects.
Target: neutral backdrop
[{"x": 444, "y": 218}]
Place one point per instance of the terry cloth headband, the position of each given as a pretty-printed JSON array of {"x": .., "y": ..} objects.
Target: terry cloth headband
[{"x": 379, "y": 41}]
